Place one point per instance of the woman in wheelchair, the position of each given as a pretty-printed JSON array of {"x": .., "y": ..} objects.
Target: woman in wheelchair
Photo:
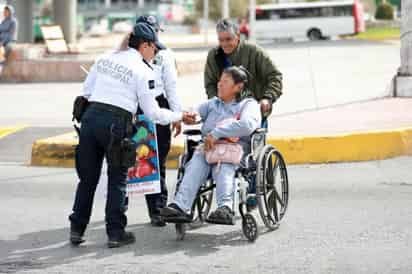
[{"x": 225, "y": 118}]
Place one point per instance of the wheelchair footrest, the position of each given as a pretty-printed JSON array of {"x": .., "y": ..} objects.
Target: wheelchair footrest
[
  {"x": 177, "y": 220},
  {"x": 221, "y": 221}
]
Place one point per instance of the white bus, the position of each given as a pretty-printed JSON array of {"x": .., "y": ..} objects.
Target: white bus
[{"x": 314, "y": 20}]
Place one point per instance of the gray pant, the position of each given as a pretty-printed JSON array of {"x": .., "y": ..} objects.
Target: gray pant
[{"x": 196, "y": 174}]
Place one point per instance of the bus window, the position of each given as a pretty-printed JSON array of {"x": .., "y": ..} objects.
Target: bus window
[
  {"x": 275, "y": 15},
  {"x": 301, "y": 13},
  {"x": 343, "y": 11},
  {"x": 262, "y": 14},
  {"x": 327, "y": 11}
]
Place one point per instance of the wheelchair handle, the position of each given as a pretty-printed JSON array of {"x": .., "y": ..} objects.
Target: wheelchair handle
[{"x": 261, "y": 130}]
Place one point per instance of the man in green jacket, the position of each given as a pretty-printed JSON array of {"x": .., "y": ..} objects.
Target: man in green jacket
[{"x": 266, "y": 80}]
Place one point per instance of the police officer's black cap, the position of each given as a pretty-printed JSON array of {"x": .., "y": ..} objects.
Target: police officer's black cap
[
  {"x": 147, "y": 32},
  {"x": 151, "y": 20}
]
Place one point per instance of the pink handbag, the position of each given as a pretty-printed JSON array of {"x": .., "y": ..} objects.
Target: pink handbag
[{"x": 224, "y": 153}]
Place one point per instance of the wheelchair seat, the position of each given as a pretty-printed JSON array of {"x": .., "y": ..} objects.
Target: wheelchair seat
[{"x": 192, "y": 132}]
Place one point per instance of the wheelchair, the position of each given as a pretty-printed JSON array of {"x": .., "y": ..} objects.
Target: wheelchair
[{"x": 262, "y": 182}]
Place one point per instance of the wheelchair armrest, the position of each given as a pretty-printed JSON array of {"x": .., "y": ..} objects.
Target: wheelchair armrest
[
  {"x": 192, "y": 132},
  {"x": 260, "y": 130}
]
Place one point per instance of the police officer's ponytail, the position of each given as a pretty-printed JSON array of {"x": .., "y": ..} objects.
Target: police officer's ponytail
[{"x": 134, "y": 41}]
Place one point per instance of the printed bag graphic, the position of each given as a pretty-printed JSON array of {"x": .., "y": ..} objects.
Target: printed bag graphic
[{"x": 144, "y": 177}]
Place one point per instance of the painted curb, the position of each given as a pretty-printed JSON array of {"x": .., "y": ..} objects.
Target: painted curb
[
  {"x": 9, "y": 130},
  {"x": 362, "y": 146}
]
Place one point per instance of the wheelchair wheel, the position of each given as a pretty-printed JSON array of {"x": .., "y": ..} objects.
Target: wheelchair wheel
[
  {"x": 272, "y": 186},
  {"x": 202, "y": 205},
  {"x": 180, "y": 231},
  {"x": 249, "y": 227}
]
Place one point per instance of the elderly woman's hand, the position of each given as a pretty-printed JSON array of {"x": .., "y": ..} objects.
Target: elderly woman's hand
[
  {"x": 189, "y": 118},
  {"x": 209, "y": 142},
  {"x": 265, "y": 107}
]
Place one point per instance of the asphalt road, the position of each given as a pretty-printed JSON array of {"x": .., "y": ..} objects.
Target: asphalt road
[{"x": 342, "y": 218}]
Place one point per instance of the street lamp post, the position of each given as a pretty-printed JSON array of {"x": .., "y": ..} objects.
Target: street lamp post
[
  {"x": 252, "y": 20},
  {"x": 403, "y": 81},
  {"x": 65, "y": 16},
  {"x": 107, "y": 3},
  {"x": 225, "y": 9},
  {"x": 206, "y": 19},
  {"x": 24, "y": 14}
]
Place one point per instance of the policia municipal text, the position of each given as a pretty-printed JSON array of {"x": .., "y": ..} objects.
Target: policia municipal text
[{"x": 118, "y": 83}]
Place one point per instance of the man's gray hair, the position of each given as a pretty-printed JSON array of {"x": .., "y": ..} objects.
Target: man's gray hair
[{"x": 225, "y": 25}]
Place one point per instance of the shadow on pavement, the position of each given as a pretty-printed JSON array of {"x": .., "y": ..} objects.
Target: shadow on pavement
[{"x": 44, "y": 249}]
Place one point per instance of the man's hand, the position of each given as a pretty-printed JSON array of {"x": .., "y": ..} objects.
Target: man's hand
[
  {"x": 189, "y": 118},
  {"x": 209, "y": 142},
  {"x": 265, "y": 107},
  {"x": 177, "y": 128}
]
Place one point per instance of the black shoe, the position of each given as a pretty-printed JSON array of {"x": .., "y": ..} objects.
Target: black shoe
[
  {"x": 222, "y": 216},
  {"x": 174, "y": 214},
  {"x": 76, "y": 235},
  {"x": 124, "y": 239},
  {"x": 157, "y": 221}
]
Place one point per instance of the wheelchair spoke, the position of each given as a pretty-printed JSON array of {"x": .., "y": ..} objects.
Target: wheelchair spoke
[
  {"x": 205, "y": 200},
  {"x": 275, "y": 172},
  {"x": 278, "y": 198},
  {"x": 273, "y": 205}
]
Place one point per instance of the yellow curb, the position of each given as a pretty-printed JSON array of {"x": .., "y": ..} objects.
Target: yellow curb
[
  {"x": 56, "y": 151},
  {"x": 362, "y": 146},
  {"x": 9, "y": 130}
]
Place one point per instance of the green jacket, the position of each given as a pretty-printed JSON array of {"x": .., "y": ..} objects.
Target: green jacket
[{"x": 266, "y": 80}]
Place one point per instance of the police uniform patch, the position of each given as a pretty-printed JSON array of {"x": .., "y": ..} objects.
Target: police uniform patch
[
  {"x": 158, "y": 60},
  {"x": 151, "y": 84}
]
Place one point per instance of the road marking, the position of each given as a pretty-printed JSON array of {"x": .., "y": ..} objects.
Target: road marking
[{"x": 4, "y": 131}]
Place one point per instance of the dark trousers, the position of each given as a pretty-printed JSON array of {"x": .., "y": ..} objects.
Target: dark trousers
[
  {"x": 157, "y": 201},
  {"x": 95, "y": 137}
]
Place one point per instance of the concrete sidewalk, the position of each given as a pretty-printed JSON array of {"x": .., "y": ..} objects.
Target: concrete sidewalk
[
  {"x": 31, "y": 63},
  {"x": 362, "y": 131}
]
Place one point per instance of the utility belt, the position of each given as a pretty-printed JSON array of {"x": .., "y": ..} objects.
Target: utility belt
[
  {"x": 116, "y": 110},
  {"x": 121, "y": 151}
]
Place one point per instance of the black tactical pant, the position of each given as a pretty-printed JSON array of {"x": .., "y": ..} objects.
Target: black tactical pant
[
  {"x": 159, "y": 200},
  {"x": 95, "y": 137}
]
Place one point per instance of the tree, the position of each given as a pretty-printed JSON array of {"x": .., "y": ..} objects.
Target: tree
[{"x": 238, "y": 8}]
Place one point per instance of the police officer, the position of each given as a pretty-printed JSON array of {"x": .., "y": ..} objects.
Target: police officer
[
  {"x": 164, "y": 66},
  {"x": 117, "y": 84}
]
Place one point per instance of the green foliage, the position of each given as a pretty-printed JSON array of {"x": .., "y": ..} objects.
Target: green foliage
[
  {"x": 238, "y": 8},
  {"x": 384, "y": 12},
  {"x": 379, "y": 34},
  {"x": 190, "y": 20},
  {"x": 261, "y": 2}
]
